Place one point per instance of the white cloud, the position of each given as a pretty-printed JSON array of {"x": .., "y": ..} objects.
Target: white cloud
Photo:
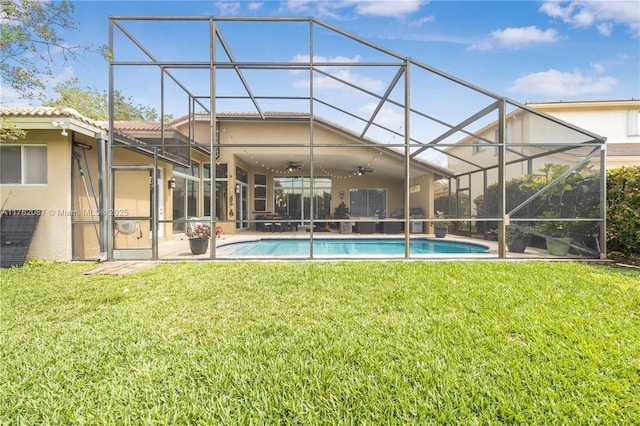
[
  {"x": 12, "y": 98},
  {"x": 598, "y": 68},
  {"x": 562, "y": 84},
  {"x": 386, "y": 117},
  {"x": 605, "y": 28},
  {"x": 325, "y": 59},
  {"x": 603, "y": 14},
  {"x": 228, "y": 8},
  {"x": 328, "y": 83},
  {"x": 516, "y": 38},
  {"x": 318, "y": 58},
  {"x": 255, "y": 6},
  {"x": 336, "y": 9},
  {"x": 388, "y": 8},
  {"x": 342, "y": 72},
  {"x": 423, "y": 20}
]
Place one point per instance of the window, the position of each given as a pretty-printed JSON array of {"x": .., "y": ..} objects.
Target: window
[
  {"x": 293, "y": 197},
  {"x": 368, "y": 202},
  {"x": 23, "y": 164},
  {"x": 185, "y": 195},
  {"x": 509, "y": 133},
  {"x": 260, "y": 193},
  {"x": 221, "y": 191},
  {"x": 477, "y": 148},
  {"x": 633, "y": 123}
]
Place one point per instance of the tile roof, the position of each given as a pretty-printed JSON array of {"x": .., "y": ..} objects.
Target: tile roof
[
  {"x": 59, "y": 111},
  {"x": 62, "y": 111},
  {"x": 241, "y": 115},
  {"x": 138, "y": 125}
]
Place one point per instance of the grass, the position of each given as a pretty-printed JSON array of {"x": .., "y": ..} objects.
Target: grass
[{"x": 321, "y": 343}]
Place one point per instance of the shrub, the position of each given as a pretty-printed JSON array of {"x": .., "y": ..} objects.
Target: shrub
[{"x": 623, "y": 210}]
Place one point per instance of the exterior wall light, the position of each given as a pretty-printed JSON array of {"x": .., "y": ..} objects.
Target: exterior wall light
[{"x": 63, "y": 125}]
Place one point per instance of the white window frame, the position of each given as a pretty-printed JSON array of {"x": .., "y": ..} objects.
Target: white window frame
[
  {"x": 633, "y": 123},
  {"x": 23, "y": 165},
  {"x": 477, "y": 148},
  {"x": 260, "y": 199},
  {"x": 385, "y": 208}
]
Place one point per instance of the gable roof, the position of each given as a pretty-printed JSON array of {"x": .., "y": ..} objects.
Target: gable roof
[{"x": 280, "y": 116}]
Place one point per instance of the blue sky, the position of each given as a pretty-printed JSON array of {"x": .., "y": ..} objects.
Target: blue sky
[{"x": 524, "y": 50}]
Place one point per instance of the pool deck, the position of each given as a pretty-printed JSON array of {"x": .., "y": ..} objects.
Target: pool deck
[{"x": 178, "y": 248}]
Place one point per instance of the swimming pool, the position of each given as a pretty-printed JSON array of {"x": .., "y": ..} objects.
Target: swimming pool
[{"x": 346, "y": 247}]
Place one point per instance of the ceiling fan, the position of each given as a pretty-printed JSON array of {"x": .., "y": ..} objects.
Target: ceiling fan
[
  {"x": 362, "y": 170},
  {"x": 292, "y": 167}
]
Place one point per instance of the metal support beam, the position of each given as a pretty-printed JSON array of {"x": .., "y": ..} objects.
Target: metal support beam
[
  {"x": 460, "y": 126},
  {"x": 390, "y": 88},
  {"x": 155, "y": 205},
  {"x": 407, "y": 158},
  {"x": 311, "y": 125},
  {"x": 502, "y": 154},
  {"x": 225, "y": 46},
  {"x": 109, "y": 183},
  {"x": 213, "y": 139},
  {"x": 603, "y": 202}
]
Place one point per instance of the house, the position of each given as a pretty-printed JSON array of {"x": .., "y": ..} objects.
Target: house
[
  {"x": 263, "y": 168},
  {"x": 532, "y": 141},
  {"x": 617, "y": 120},
  {"x": 377, "y": 148},
  {"x": 60, "y": 169}
]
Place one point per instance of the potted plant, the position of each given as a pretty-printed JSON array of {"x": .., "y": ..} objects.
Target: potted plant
[
  {"x": 342, "y": 212},
  {"x": 556, "y": 234},
  {"x": 440, "y": 228},
  {"x": 199, "y": 238},
  {"x": 517, "y": 240},
  {"x": 572, "y": 195}
]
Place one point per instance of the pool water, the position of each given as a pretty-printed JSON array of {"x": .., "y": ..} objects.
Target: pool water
[{"x": 347, "y": 246}]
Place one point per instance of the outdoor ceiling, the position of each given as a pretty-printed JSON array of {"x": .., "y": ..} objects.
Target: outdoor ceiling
[{"x": 384, "y": 166}]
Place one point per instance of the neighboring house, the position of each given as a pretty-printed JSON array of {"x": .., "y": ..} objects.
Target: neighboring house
[
  {"x": 62, "y": 168},
  {"x": 617, "y": 120},
  {"x": 533, "y": 141}
]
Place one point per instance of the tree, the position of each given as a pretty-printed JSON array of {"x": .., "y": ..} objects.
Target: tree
[
  {"x": 95, "y": 104},
  {"x": 29, "y": 40}
]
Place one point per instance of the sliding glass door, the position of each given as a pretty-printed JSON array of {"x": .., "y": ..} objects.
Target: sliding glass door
[{"x": 294, "y": 197}]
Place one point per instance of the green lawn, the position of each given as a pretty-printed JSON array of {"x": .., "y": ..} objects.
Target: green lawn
[{"x": 321, "y": 342}]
